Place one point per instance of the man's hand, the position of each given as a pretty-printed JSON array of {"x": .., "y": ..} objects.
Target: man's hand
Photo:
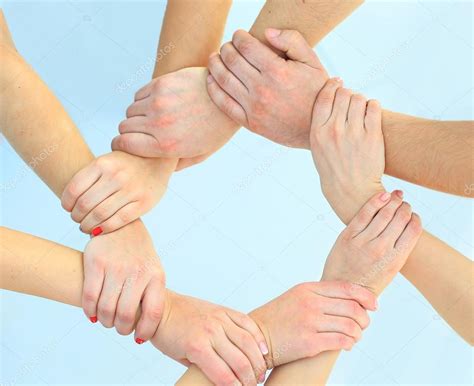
[
  {"x": 115, "y": 190},
  {"x": 314, "y": 317},
  {"x": 376, "y": 243},
  {"x": 121, "y": 272},
  {"x": 267, "y": 94},
  {"x": 225, "y": 344},
  {"x": 348, "y": 147},
  {"x": 173, "y": 116}
]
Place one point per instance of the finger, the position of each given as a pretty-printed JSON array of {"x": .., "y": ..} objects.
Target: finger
[
  {"x": 187, "y": 162},
  {"x": 235, "y": 359},
  {"x": 143, "y": 145},
  {"x": 226, "y": 79},
  {"x": 245, "y": 342},
  {"x": 81, "y": 181},
  {"x": 152, "y": 311},
  {"x": 382, "y": 218},
  {"x": 249, "y": 325},
  {"x": 96, "y": 194},
  {"x": 411, "y": 234},
  {"x": 93, "y": 281},
  {"x": 373, "y": 116},
  {"x": 133, "y": 125},
  {"x": 214, "y": 367},
  {"x": 366, "y": 214},
  {"x": 348, "y": 291},
  {"x": 341, "y": 106},
  {"x": 346, "y": 326},
  {"x": 125, "y": 215},
  {"x": 294, "y": 45},
  {"x": 255, "y": 52},
  {"x": 103, "y": 211},
  {"x": 237, "y": 64},
  {"x": 138, "y": 108},
  {"x": 333, "y": 341},
  {"x": 356, "y": 114},
  {"x": 225, "y": 103},
  {"x": 396, "y": 226},
  {"x": 108, "y": 299},
  {"x": 128, "y": 304},
  {"x": 348, "y": 309},
  {"x": 324, "y": 102},
  {"x": 144, "y": 92}
]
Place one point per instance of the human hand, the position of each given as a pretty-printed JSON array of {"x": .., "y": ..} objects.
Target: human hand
[
  {"x": 267, "y": 94},
  {"x": 348, "y": 147},
  {"x": 173, "y": 116},
  {"x": 225, "y": 344},
  {"x": 114, "y": 190},
  {"x": 121, "y": 272},
  {"x": 314, "y": 317},
  {"x": 376, "y": 243}
]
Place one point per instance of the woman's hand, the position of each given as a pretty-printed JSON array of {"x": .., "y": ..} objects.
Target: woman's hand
[
  {"x": 225, "y": 344},
  {"x": 114, "y": 190},
  {"x": 173, "y": 116},
  {"x": 314, "y": 317},
  {"x": 376, "y": 243},
  {"x": 122, "y": 271},
  {"x": 348, "y": 147}
]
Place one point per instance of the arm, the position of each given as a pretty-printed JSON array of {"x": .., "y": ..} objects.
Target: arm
[
  {"x": 40, "y": 130},
  {"x": 290, "y": 322}
]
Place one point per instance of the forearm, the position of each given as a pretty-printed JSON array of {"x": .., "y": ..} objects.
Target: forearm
[
  {"x": 192, "y": 31},
  {"x": 435, "y": 154},
  {"x": 314, "y": 19},
  {"x": 37, "y": 126}
]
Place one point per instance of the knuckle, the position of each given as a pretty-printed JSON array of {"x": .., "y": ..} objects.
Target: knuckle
[
  {"x": 154, "y": 314},
  {"x": 104, "y": 164},
  {"x": 126, "y": 317},
  {"x": 89, "y": 296},
  {"x": 83, "y": 204},
  {"x": 100, "y": 214}
]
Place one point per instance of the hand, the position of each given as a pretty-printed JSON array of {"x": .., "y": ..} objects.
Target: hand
[
  {"x": 267, "y": 94},
  {"x": 348, "y": 147},
  {"x": 376, "y": 243},
  {"x": 114, "y": 190},
  {"x": 121, "y": 272},
  {"x": 225, "y": 344},
  {"x": 314, "y": 317},
  {"x": 173, "y": 116}
]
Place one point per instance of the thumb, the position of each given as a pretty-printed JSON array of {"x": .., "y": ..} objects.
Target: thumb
[
  {"x": 140, "y": 144},
  {"x": 294, "y": 45}
]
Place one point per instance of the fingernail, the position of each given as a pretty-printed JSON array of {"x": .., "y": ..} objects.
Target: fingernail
[
  {"x": 263, "y": 348},
  {"x": 139, "y": 341},
  {"x": 96, "y": 231},
  {"x": 261, "y": 379},
  {"x": 93, "y": 319},
  {"x": 273, "y": 33},
  {"x": 384, "y": 196},
  {"x": 399, "y": 193},
  {"x": 210, "y": 78}
]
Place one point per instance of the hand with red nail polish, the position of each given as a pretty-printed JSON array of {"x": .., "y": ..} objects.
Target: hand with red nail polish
[
  {"x": 313, "y": 317},
  {"x": 348, "y": 147},
  {"x": 121, "y": 273},
  {"x": 376, "y": 243},
  {"x": 114, "y": 190},
  {"x": 226, "y": 345}
]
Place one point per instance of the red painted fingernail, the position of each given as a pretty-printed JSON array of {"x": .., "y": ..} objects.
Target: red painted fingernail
[
  {"x": 96, "y": 231},
  {"x": 139, "y": 341},
  {"x": 93, "y": 319}
]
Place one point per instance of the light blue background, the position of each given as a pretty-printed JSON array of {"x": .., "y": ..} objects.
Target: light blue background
[{"x": 250, "y": 222}]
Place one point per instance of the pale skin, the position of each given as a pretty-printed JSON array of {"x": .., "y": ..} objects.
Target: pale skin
[
  {"x": 330, "y": 314},
  {"x": 101, "y": 246},
  {"x": 274, "y": 97},
  {"x": 178, "y": 102},
  {"x": 348, "y": 150}
]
